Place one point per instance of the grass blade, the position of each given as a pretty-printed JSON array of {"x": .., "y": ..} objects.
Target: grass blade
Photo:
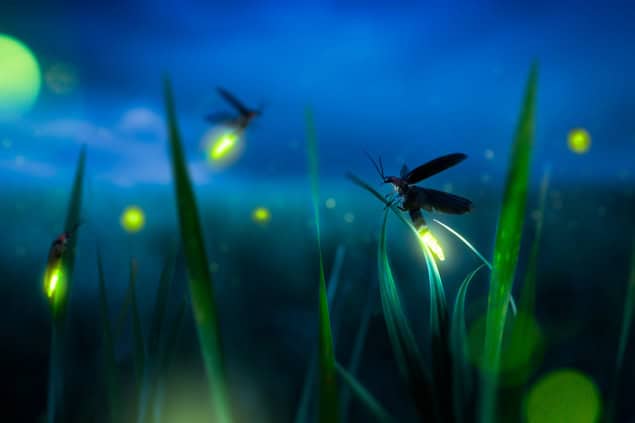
[
  {"x": 627, "y": 321},
  {"x": 137, "y": 333},
  {"x": 61, "y": 296},
  {"x": 461, "y": 372},
  {"x": 507, "y": 245},
  {"x": 329, "y": 408},
  {"x": 365, "y": 397},
  {"x": 200, "y": 280},
  {"x": 110, "y": 364},
  {"x": 404, "y": 346}
]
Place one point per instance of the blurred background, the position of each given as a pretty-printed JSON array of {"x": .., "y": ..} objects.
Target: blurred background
[{"x": 407, "y": 83}]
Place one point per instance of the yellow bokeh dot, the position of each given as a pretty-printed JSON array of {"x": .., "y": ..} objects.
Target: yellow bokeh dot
[
  {"x": 579, "y": 140},
  {"x": 261, "y": 215},
  {"x": 20, "y": 78},
  {"x": 564, "y": 395},
  {"x": 132, "y": 219},
  {"x": 330, "y": 203}
]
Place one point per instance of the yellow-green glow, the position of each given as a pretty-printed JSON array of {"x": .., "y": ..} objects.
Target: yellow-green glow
[
  {"x": 20, "y": 78},
  {"x": 564, "y": 395},
  {"x": 60, "y": 78},
  {"x": 223, "y": 146},
  {"x": 132, "y": 219},
  {"x": 579, "y": 140},
  {"x": 430, "y": 242},
  {"x": 261, "y": 215},
  {"x": 52, "y": 279}
]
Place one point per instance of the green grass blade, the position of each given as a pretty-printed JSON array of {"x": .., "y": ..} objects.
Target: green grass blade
[
  {"x": 329, "y": 401},
  {"x": 627, "y": 321},
  {"x": 137, "y": 333},
  {"x": 200, "y": 281},
  {"x": 372, "y": 405},
  {"x": 402, "y": 340},
  {"x": 61, "y": 296},
  {"x": 461, "y": 372},
  {"x": 358, "y": 348},
  {"x": 110, "y": 364},
  {"x": 507, "y": 245}
]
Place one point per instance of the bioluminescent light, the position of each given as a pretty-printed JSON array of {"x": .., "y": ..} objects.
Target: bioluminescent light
[
  {"x": 430, "y": 242},
  {"x": 579, "y": 140},
  {"x": 261, "y": 215},
  {"x": 132, "y": 219},
  {"x": 53, "y": 279},
  {"x": 223, "y": 145},
  {"x": 20, "y": 78},
  {"x": 60, "y": 78}
]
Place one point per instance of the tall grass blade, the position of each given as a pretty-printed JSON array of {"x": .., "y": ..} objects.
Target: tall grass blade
[
  {"x": 372, "y": 405},
  {"x": 110, "y": 364},
  {"x": 627, "y": 321},
  {"x": 461, "y": 372},
  {"x": 507, "y": 245},
  {"x": 329, "y": 408},
  {"x": 137, "y": 332},
  {"x": 358, "y": 348},
  {"x": 200, "y": 281},
  {"x": 309, "y": 379},
  {"x": 61, "y": 296},
  {"x": 402, "y": 340}
]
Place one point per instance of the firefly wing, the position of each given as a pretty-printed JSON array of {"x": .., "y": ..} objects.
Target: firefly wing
[
  {"x": 433, "y": 200},
  {"x": 219, "y": 117},
  {"x": 433, "y": 167},
  {"x": 404, "y": 171},
  {"x": 229, "y": 97}
]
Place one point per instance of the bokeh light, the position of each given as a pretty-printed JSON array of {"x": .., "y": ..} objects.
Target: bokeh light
[
  {"x": 132, "y": 219},
  {"x": 330, "y": 203},
  {"x": 223, "y": 145},
  {"x": 20, "y": 78},
  {"x": 579, "y": 140},
  {"x": 60, "y": 78},
  {"x": 564, "y": 395},
  {"x": 261, "y": 215}
]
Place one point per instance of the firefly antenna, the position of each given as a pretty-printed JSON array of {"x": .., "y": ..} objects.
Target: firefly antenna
[{"x": 378, "y": 165}]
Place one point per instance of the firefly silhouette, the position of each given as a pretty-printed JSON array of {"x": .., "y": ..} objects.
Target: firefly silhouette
[
  {"x": 413, "y": 198},
  {"x": 240, "y": 121}
]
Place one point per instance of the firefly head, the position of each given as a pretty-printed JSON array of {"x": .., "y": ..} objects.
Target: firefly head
[{"x": 397, "y": 183}]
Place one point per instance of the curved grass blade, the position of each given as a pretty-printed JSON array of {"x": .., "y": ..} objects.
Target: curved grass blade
[
  {"x": 61, "y": 296},
  {"x": 329, "y": 408},
  {"x": 200, "y": 281},
  {"x": 309, "y": 378},
  {"x": 461, "y": 373},
  {"x": 365, "y": 397},
  {"x": 627, "y": 321},
  {"x": 404, "y": 346},
  {"x": 469, "y": 245},
  {"x": 358, "y": 348},
  {"x": 110, "y": 364},
  {"x": 137, "y": 333},
  {"x": 507, "y": 246}
]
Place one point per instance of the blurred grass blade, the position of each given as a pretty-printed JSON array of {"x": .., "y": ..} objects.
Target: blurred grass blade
[
  {"x": 123, "y": 315},
  {"x": 200, "y": 281},
  {"x": 365, "y": 397},
  {"x": 404, "y": 346},
  {"x": 358, "y": 348},
  {"x": 110, "y": 364},
  {"x": 461, "y": 372},
  {"x": 302, "y": 412},
  {"x": 627, "y": 321},
  {"x": 507, "y": 246},
  {"x": 137, "y": 333},
  {"x": 329, "y": 408},
  {"x": 60, "y": 297},
  {"x": 469, "y": 245}
]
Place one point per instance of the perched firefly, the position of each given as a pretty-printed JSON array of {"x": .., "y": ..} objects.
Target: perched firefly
[
  {"x": 413, "y": 198},
  {"x": 53, "y": 266},
  {"x": 245, "y": 114}
]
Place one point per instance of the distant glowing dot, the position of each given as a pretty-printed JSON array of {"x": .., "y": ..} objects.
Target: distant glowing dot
[
  {"x": 6, "y": 143},
  {"x": 489, "y": 154},
  {"x": 261, "y": 215},
  {"x": 448, "y": 187},
  {"x": 430, "y": 242},
  {"x": 19, "y": 160},
  {"x": 349, "y": 217},
  {"x": 579, "y": 140},
  {"x": 20, "y": 78},
  {"x": 485, "y": 178},
  {"x": 213, "y": 267},
  {"x": 330, "y": 203},
  {"x": 564, "y": 395},
  {"x": 132, "y": 219},
  {"x": 60, "y": 78}
]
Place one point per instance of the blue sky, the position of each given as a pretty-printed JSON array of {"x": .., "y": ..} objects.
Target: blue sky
[{"x": 408, "y": 82}]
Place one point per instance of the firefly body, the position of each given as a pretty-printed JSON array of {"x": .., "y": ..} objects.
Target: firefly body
[
  {"x": 245, "y": 114},
  {"x": 413, "y": 198},
  {"x": 59, "y": 244}
]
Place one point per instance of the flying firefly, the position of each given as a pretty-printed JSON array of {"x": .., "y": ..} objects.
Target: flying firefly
[{"x": 240, "y": 122}]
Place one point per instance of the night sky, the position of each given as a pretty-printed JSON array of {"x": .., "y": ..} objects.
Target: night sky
[{"x": 408, "y": 82}]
